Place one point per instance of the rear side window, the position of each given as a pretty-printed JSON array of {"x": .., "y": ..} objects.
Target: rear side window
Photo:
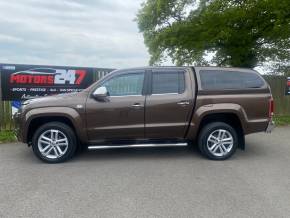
[
  {"x": 168, "y": 82},
  {"x": 218, "y": 79}
]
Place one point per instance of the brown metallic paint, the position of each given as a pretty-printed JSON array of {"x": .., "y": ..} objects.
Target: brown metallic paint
[
  {"x": 159, "y": 117},
  {"x": 116, "y": 118},
  {"x": 55, "y": 106},
  {"x": 164, "y": 117}
]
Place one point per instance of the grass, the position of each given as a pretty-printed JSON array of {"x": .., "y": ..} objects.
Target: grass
[
  {"x": 7, "y": 136},
  {"x": 282, "y": 120}
]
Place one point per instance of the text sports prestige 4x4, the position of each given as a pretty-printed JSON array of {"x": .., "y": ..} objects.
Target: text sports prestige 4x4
[{"x": 153, "y": 106}]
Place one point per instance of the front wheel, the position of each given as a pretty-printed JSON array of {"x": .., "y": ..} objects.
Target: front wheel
[
  {"x": 218, "y": 141},
  {"x": 54, "y": 142}
]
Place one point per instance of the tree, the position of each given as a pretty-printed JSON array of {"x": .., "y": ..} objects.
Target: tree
[{"x": 239, "y": 33}]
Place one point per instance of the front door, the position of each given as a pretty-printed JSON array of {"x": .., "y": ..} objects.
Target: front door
[
  {"x": 121, "y": 116},
  {"x": 169, "y": 104}
]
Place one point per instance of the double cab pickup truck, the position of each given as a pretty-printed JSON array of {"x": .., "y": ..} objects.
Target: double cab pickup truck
[{"x": 213, "y": 108}]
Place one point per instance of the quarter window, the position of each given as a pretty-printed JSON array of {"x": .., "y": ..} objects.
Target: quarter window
[
  {"x": 218, "y": 79},
  {"x": 127, "y": 84},
  {"x": 168, "y": 82}
]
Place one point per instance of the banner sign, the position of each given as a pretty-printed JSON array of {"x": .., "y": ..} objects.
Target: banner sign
[
  {"x": 288, "y": 86},
  {"x": 21, "y": 82}
]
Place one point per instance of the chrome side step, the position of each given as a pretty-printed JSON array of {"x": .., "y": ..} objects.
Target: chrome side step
[{"x": 94, "y": 147}]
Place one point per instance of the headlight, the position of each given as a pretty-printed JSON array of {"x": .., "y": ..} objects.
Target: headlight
[
  {"x": 25, "y": 102},
  {"x": 23, "y": 105}
]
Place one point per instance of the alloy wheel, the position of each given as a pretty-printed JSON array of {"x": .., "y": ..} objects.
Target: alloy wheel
[
  {"x": 220, "y": 142},
  {"x": 52, "y": 144}
]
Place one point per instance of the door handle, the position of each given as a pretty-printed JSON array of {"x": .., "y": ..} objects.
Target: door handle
[
  {"x": 183, "y": 103},
  {"x": 136, "y": 105}
]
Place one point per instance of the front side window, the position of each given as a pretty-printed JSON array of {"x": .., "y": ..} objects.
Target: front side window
[
  {"x": 127, "y": 84},
  {"x": 168, "y": 82}
]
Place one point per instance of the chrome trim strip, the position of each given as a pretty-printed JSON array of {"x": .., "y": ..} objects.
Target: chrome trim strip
[
  {"x": 173, "y": 93},
  {"x": 122, "y": 96},
  {"x": 94, "y": 147}
]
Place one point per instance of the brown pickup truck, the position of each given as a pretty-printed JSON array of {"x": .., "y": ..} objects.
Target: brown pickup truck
[{"x": 153, "y": 106}]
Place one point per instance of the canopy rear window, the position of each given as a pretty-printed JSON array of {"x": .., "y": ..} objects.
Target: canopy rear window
[{"x": 220, "y": 79}]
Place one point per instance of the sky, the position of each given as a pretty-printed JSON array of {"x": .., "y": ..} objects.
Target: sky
[{"x": 88, "y": 33}]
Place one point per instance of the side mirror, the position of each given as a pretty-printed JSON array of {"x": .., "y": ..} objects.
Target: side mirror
[{"x": 100, "y": 93}]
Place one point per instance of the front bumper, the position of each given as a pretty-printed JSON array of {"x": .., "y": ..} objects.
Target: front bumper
[{"x": 271, "y": 126}]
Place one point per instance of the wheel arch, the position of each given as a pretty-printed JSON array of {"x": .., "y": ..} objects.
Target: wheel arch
[
  {"x": 37, "y": 117},
  {"x": 231, "y": 119},
  {"x": 231, "y": 114}
]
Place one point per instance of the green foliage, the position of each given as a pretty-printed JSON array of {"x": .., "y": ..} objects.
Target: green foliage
[
  {"x": 7, "y": 136},
  {"x": 240, "y": 33},
  {"x": 282, "y": 120}
]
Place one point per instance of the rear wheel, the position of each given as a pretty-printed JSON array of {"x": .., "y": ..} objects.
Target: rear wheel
[
  {"x": 54, "y": 142},
  {"x": 218, "y": 141}
]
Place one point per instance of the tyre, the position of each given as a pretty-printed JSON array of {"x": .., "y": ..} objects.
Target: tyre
[
  {"x": 218, "y": 141},
  {"x": 54, "y": 142}
]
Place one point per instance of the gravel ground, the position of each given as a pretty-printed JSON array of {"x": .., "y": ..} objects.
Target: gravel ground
[{"x": 159, "y": 182}]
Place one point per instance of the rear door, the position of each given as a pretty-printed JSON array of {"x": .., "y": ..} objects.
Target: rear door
[{"x": 168, "y": 103}]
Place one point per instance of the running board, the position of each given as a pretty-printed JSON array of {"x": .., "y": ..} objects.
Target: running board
[{"x": 94, "y": 147}]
